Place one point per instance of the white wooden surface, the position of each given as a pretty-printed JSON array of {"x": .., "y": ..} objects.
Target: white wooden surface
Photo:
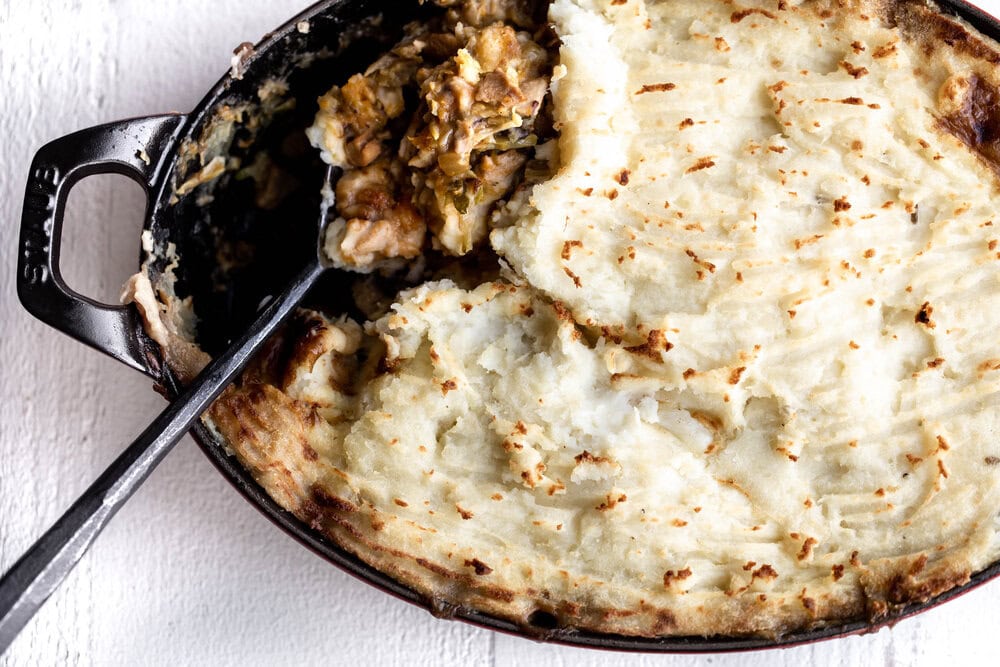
[{"x": 189, "y": 573}]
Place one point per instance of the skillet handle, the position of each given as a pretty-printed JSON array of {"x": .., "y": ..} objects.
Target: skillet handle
[{"x": 133, "y": 148}]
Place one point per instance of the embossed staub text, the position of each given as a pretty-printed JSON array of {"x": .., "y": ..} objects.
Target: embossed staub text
[{"x": 39, "y": 204}]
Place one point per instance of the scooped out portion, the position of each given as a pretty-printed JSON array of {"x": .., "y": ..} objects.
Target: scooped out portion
[
  {"x": 434, "y": 135},
  {"x": 700, "y": 331}
]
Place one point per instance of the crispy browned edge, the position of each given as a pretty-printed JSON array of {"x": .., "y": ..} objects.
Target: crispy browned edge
[
  {"x": 885, "y": 588},
  {"x": 923, "y": 23},
  {"x": 945, "y": 42}
]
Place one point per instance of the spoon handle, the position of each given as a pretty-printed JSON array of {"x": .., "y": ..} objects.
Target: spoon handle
[{"x": 30, "y": 582}]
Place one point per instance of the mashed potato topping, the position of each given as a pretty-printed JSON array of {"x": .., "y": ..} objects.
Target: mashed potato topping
[{"x": 741, "y": 372}]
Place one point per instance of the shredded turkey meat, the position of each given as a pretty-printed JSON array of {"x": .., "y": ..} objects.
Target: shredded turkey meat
[
  {"x": 380, "y": 221},
  {"x": 478, "y": 83}
]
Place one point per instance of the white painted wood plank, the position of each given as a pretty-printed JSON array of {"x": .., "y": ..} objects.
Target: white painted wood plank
[{"x": 189, "y": 573}]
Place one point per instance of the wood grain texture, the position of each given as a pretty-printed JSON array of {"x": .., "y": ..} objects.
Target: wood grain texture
[{"x": 189, "y": 573}]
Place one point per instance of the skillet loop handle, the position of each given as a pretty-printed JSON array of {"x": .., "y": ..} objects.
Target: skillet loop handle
[{"x": 132, "y": 148}]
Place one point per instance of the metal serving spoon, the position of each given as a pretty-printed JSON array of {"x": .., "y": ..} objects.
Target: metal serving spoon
[{"x": 33, "y": 578}]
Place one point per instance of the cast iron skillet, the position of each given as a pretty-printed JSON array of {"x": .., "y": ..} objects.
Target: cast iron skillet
[{"x": 235, "y": 253}]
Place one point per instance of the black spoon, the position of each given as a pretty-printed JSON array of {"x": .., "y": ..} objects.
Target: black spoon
[{"x": 33, "y": 578}]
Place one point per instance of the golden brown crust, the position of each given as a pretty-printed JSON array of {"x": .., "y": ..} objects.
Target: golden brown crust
[
  {"x": 923, "y": 22},
  {"x": 963, "y": 65}
]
